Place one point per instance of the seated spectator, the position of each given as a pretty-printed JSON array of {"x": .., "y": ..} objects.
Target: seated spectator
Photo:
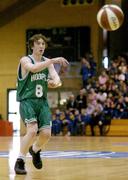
[
  {"x": 108, "y": 110},
  {"x": 113, "y": 69},
  {"x": 121, "y": 108},
  {"x": 96, "y": 117},
  {"x": 56, "y": 125},
  {"x": 121, "y": 77},
  {"x": 123, "y": 67},
  {"x": 86, "y": 119},
  {"x": 103, "y": 78},
  {"x": 57, "y": 113},
  {"x": 122, "y": 87},
  {"x": 79, "y": 125},
  {"x": 92, "y": 95},
  {"x": 71, "y": 103},
  {"x": 87, "y": 115},
  {"x": 101, "y": 96},
  {"x": 65, "y": 130},
  {"x": 71, "y": 124},
  {"x": 81, "y": 100}
]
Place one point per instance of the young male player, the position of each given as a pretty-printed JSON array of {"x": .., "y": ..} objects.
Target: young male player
[{"x": 35, "y": 74}]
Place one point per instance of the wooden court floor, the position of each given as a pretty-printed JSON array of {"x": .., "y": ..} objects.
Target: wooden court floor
[{"x": 70, "y": 158}]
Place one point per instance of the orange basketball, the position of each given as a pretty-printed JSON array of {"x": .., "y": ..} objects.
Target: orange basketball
[{"x": 110, "y": 17}]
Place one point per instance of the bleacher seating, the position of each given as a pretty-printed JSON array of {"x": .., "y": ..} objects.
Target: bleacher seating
[{"x": 119, "y": 127}]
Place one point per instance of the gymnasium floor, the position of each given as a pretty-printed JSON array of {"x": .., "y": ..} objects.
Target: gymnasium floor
[{"x": 70, "y": 158}]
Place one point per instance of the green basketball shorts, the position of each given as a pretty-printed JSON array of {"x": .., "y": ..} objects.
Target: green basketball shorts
[{"x": 36, "y": 110}]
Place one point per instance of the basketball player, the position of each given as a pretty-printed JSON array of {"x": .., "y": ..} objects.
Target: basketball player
[{"x": 35, "y": 74}]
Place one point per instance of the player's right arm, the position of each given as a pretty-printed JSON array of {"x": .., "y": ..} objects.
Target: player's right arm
[{"x": 27, "y": 65}]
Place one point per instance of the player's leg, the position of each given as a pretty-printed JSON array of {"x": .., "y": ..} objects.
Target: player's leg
[
  {"x": 44, "y": 120},
  {"x": 26, "y": 141},
  {"x": 27, "y": 113},
  {"x": 42, "y": 139},
  {"x": 38, "y": 145}
]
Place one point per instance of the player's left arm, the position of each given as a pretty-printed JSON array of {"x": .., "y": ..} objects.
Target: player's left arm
[{"x": 54, "y": 80}]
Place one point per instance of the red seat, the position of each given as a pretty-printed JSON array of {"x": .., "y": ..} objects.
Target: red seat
[{"x": 6, "y": 128}]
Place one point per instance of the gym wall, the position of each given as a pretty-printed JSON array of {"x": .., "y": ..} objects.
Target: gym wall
[{"x": 48, "y": 14}]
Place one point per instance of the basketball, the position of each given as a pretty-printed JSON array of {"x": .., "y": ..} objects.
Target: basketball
[{"x": 110, "y": 17}]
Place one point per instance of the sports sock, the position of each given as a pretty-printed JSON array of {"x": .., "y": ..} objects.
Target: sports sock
[
  {"x": 35, "y": 148},
  {"x": 22, "y": 156}
]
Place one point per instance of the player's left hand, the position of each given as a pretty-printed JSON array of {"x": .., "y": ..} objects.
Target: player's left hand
[{"x": 52, "y": 84}]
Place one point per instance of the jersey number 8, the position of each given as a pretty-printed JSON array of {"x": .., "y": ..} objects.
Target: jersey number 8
[{"x": 39, "y": 90}]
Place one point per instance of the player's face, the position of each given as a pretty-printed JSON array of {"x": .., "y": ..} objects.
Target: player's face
[{"x": 39, "y": 47}]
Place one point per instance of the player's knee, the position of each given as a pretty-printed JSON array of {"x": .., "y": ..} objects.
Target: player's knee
[
  {"x": 46, "y": 133},
  {"x": 32, "y": 131}
]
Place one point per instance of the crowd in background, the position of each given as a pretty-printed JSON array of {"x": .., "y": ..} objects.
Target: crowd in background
[{"x": 103, "y": 97}]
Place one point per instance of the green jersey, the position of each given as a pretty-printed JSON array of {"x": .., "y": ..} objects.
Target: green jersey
[{"x": 33, "y": 85}]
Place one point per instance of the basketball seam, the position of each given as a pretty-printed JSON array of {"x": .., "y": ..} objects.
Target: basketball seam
[{"x": 112, "y": 19}]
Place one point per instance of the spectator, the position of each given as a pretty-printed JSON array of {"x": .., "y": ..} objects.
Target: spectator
[
  {"x": 64, "y": 124},
  {"x": 79, "y": 125},
  {"x": 71, "y": 123},
  {"x": 85, "y": 71},
  {"x": 56, "y": 125},
  {"x": 121, "y": 108},
  {"x": 92, "y": 63},
  {"x": 96, "y": 117},
  {"x": 71, "y": 104},
  {"x": 81, "y": 100},
  {"x": 103, "y": 78}
]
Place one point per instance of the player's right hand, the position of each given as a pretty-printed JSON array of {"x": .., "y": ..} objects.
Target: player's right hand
[{"x": 60, "y": 60}]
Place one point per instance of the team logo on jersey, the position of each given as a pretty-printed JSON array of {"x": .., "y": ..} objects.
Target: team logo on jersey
[{"x": 38, "y": 76}]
